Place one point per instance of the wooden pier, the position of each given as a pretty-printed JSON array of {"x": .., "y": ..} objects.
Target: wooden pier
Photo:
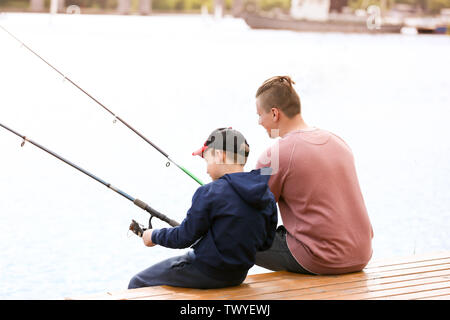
[{"x": 415, "y": 277}]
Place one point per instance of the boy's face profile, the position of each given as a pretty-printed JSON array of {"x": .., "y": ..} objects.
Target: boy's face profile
[
  {"x": 214, "y": 160},
  {"x": 225, "y": 152}
]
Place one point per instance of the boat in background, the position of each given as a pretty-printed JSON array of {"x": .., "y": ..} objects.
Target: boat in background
[
  {"x": 323, "y": 16},
  {"x": 431, "y": 25},
  {"x": 258, "y": 21},
  {"x": 335, "y": 16}
]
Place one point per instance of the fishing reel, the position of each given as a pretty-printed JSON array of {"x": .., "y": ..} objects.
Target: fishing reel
[{"x": 138, "y": 229}]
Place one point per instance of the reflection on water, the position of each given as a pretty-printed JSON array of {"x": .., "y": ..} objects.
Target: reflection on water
[{"x": 176, "y": 78}]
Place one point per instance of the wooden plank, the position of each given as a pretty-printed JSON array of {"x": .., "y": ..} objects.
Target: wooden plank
[
  {"x": 416, "y": 295},
  {"x": 333, "y": 290},
  {"x": 410, "y": 265},
  {"x": 384, "y": 294},
  {"x": 274, "y": 276},
  {"x": 309, "y": 294},
  {"x": 126, "y": 294},
  {"x": 94, "y": 296},
  {"x": 407, "y": 259},
  {"x": 439, "y": 296},
  {"x": 387, "y": 273},
  {"x": 374, "y": 287}
]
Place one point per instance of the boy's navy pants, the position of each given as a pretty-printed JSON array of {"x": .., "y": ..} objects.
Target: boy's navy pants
[{"x": 178, "y": 272}]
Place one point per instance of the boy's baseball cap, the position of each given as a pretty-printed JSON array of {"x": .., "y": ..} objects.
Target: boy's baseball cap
[{"x": 226, "y": 139}]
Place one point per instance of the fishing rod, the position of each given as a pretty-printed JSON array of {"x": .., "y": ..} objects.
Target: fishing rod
[
  {"x": 141, "y": 204},
  {"x": 116, "y": 117}
]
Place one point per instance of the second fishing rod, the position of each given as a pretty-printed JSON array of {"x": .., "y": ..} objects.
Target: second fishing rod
[
  {"x": 141, "y": 204},
  {"x": 190, "y": 174}
]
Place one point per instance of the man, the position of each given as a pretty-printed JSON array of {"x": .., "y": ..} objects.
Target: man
[{"x": 326, "y": 228}]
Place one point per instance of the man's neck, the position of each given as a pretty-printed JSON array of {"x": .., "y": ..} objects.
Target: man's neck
[{"x": 294, "y": 124}]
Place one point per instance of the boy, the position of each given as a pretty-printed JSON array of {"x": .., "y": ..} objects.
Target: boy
[{"x": 230, "y": 219}]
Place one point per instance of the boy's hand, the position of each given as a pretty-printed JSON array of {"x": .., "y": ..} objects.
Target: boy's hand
[{"x": 147, "y": 238}]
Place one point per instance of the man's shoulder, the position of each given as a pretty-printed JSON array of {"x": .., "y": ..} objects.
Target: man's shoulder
[
  {"x": 316, "y": 136},
  {"x": 276, "y": 154},
  {"x": 339, "y": 139}
]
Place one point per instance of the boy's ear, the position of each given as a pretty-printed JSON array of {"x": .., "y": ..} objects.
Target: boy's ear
[{"x": 219, "y": 156}]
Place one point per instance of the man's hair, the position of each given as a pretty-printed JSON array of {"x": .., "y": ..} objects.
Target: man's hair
[{"x": 278, "y": 92}]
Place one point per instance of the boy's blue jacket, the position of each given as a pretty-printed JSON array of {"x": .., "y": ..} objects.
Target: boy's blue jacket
[{"x": 235, "y": 216}]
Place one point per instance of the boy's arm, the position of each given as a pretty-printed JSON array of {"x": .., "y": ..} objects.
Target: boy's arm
[
  {"x": 195, "y": 225},
  {"x": 147, "y": 238}
]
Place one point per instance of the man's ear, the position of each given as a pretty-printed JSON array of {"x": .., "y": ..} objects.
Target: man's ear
[{"x": 275, "y": 113}]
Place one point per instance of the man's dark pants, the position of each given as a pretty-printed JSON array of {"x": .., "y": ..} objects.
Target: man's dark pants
[{"x": 278, "y": 257}]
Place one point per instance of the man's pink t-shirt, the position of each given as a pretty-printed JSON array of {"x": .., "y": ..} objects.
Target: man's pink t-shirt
[{"x": 321, "y": 205}]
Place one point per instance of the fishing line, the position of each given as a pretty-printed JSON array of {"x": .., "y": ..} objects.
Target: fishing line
[{"x": 116, "y": 117}]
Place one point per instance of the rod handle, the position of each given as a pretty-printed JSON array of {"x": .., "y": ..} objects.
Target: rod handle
[{"x": 141, "y": 204}]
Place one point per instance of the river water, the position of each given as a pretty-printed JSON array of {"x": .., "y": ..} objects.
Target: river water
[{"x": 176, "y": 78}]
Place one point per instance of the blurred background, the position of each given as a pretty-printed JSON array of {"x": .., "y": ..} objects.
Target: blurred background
[
  {"x": 426, "y": 16},
  {"x": 376, "y": 73},
  {"x": 192, "y": 6}
]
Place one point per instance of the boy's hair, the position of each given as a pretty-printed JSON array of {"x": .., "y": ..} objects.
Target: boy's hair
[
  {"x": 232, "y": 142},
  {"x": 278, "y": 92}
]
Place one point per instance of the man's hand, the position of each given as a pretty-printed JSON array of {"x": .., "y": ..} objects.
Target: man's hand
[{"x": 147, "y": 238}]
